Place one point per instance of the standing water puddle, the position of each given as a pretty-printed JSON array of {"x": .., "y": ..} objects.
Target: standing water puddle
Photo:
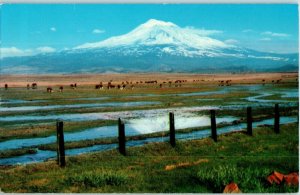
[
  {"x": 257, "y": 98},
  {"x": 104, "y": 115},
  {"x": 133, "y": 127}
]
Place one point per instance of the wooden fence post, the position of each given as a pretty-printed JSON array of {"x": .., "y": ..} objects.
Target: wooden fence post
[
  {"x": 213, "y": 125},
  {"x": 249, "y": 120},
  {"x": 122, "y": 139},
  {"x": 276, "y": 119},
  {"x": 172, "y": 129},
  {"x": 60, "y": 144}
]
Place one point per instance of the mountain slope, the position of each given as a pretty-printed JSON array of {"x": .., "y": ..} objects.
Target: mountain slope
[{"x": 152, "y": 46}]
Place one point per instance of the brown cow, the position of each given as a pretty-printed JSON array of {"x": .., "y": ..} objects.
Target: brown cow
[
  {"x": 49, "y": 89},
  {"x": 110, "y": 86},
  {"x": 73, "y": 86},
  {"x": 100, "y": 86},
  {"x": 34, "y": 85}
]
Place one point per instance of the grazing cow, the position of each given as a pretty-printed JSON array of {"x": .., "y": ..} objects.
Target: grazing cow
[
  {"x": 149, "y": 82},
  {"x": 61, "y": 88},
  {"x": 28, "y": 86},
  {"x": 110, "y": 86},
  {"x": 73, "y": 86},
  {"x": 100, "y": 86},
  {"x": 49, "y": 89},
  {"x": 228, "y": 82},
  {"x": 123, "y": 86},
  {"x": 160, "y": 85},
  {"x": 6, "y": 86},
  {"x": 278, "y": 81},
  {"x": 34, "y": 85}
]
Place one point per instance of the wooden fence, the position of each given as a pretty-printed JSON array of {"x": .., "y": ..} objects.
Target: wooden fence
[{"x": 122, "y": 138}]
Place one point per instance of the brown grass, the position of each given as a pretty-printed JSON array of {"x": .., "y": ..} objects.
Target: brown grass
[
  {"x": 91, "y": 79},
  {"x": 185, "y": 164}
]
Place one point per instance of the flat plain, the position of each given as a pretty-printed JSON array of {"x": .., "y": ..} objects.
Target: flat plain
[{"x": 196, "y": 164}]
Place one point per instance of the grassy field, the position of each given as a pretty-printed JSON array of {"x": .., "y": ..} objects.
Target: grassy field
[{"x": 192, "y": 166}]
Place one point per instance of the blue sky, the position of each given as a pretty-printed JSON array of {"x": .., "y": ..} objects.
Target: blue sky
[{"x": 46, "y": 28}]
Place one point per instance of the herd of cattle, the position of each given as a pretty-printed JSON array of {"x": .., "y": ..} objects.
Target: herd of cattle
[
  {"x": 131, "y": 85},
  {"x": 109, "y": 85}
]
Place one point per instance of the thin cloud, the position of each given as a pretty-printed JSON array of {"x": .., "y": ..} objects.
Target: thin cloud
[
  {"x": 231, "y": 41},
  {"x": 273, "y": 34},
  {"x": 247, "y": 31},
  {"x": 266, "y": 39},
  {"x": 17, "y": 52},
  {"x": 203, "y": 32},
  {"x": 45, "y": 49},
  {"x": 14, "y": 52},
  {"x": 53, "y": 29},
  {"x": 98, "y": 31}
]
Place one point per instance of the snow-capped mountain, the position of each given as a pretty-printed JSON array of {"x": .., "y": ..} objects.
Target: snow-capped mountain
[
  {"x": 153, "y": 46},
  {"x": 155, "y": 32}
]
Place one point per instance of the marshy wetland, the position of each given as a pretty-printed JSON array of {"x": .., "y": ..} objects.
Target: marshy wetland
[{"x": 28, "y": 129}]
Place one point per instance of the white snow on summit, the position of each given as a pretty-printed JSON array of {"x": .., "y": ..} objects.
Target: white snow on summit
[{"x": 156, "y": 32}]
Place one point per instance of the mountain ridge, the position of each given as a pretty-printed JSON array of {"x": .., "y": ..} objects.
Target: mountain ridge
[{"x": 154, "y": 46}]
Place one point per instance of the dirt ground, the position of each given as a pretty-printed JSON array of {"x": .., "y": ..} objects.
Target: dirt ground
[{"x": 90, "y": 79}]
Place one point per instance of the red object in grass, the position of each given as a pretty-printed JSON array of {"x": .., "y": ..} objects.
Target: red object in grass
[
  {"x": 275, "y": 177},
  {"x": 231, "y": 188},
  {"x": 291, "y": 179}
]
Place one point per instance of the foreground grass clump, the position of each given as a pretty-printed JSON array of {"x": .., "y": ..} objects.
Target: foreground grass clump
[
  {"x": 92, "y": 179},
  {"x": 250, "y": 179},
  {"x": 192, "y": 166}
]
